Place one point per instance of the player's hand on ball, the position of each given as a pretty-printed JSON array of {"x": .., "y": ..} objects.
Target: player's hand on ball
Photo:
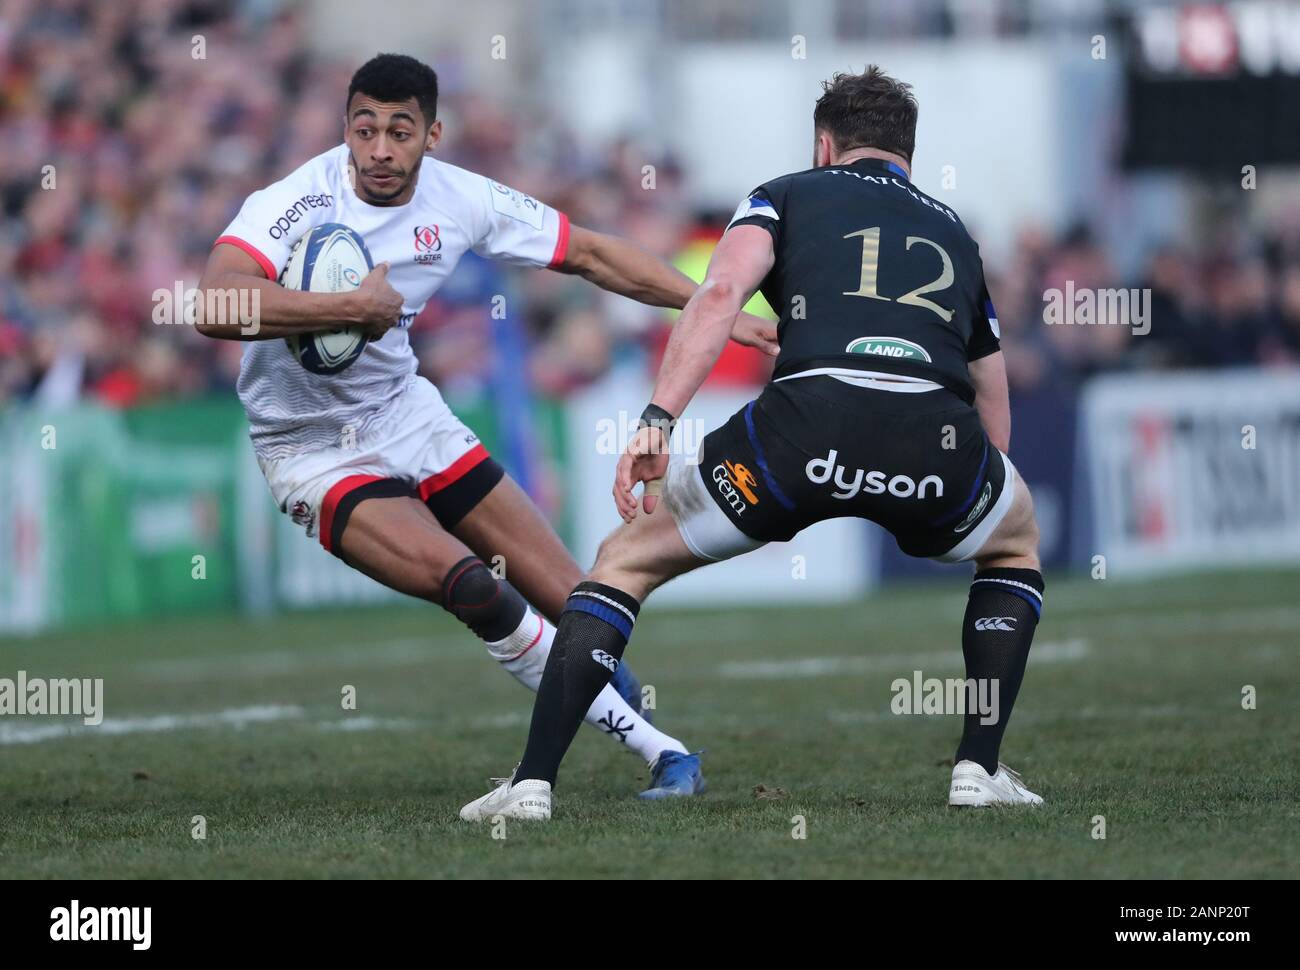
[
  {"x": 644, "y": 460},
  {"x": 756, "y": 332},
  {"x": 379, "y": 305}
]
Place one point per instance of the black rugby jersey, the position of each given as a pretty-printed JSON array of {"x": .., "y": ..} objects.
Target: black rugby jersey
[{"x": 871, "y": 274}]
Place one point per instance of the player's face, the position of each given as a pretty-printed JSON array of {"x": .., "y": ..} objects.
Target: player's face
[{"x": 386, "y": 141}]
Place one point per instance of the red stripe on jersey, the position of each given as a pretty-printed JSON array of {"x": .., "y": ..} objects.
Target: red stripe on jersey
[
  {"x": 331, "y": 503},
  {"x": 561, "y": 243},
  {"x": 267, "y": 266},
  {"x": 456, "y": 470}
]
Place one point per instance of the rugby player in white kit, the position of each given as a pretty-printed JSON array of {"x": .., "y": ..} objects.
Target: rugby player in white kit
[{"x": 371, "y": 460}]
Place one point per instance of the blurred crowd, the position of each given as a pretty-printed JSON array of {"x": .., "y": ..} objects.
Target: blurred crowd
[
  {"x": 1233, "y": 302},
  {"x": 125, "y": 155}
]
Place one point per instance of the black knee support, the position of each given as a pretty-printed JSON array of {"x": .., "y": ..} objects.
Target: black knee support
[{"x": 489, "y": 606}]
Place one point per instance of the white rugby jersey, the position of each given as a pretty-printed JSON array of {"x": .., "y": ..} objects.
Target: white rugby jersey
[{"x": 291, "y": 410}]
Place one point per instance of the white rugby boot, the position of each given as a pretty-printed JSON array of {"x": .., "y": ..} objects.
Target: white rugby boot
[
  {"x": 528, "y": 800},
  {"x": 973, "y": 788}
]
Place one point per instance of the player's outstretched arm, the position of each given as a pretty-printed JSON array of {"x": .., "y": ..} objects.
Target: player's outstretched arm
[
  {"x": 375, "y": 305},
  {"x": 622, "y": 267},
  {"x": 741, "y": 261},
  {"x": 992, "y": 399},
  {"x": 739, "y": 264}
]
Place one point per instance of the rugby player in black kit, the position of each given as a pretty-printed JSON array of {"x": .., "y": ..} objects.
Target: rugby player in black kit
[{"x": 889, "y": 402}]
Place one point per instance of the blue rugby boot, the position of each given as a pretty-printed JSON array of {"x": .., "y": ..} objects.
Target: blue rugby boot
[{"x": 675, "y": 775}]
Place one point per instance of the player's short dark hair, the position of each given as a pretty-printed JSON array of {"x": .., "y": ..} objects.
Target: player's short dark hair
[
  {"x": 868, "y": 110},
  {"x": 397, "y": 77}
]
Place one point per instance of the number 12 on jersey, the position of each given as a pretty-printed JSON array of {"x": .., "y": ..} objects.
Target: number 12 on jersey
[{"x": 871, "y": 268}]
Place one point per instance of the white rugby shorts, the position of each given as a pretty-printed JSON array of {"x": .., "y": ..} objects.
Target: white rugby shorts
[{"x": 420, "y": 449}]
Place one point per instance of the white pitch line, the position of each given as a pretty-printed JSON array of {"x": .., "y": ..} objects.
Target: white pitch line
[
  {"x": 1063, "y": 651},
  {"x": 351, "y": 724},
  {"x": 1224, "y": 621},
  {"x": 285, "y": 661},
  {"x": 416, "y": 650},
  {"x": 1142, "y": 713},
  {"x": 509, "y": 719},
  {"x": 236, "y": 717}
]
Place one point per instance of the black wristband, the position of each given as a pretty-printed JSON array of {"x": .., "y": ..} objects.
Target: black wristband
[{"x": 657, "y": 417}]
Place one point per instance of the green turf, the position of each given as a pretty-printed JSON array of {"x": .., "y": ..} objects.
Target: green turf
[{"x": 1142, "y": 724}]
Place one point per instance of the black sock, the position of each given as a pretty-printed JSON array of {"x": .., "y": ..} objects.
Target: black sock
[
  {"x": 1001, "y": 615},
  {"x": 593, "y": 630}
]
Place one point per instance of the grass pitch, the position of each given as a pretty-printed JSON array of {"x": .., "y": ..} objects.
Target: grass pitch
[{"x": 1131, "y": 710}]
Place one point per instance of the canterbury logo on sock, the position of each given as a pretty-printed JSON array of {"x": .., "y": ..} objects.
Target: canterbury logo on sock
[
  {"x": 605, "y": 660},
  {"x": 1007, "y": 623}
]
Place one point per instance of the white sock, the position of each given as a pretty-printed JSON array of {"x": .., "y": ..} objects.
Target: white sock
[{"x": 524, "y": 654}]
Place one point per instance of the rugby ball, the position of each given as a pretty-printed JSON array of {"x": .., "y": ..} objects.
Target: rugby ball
[{"x": 331, "y": 258}]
